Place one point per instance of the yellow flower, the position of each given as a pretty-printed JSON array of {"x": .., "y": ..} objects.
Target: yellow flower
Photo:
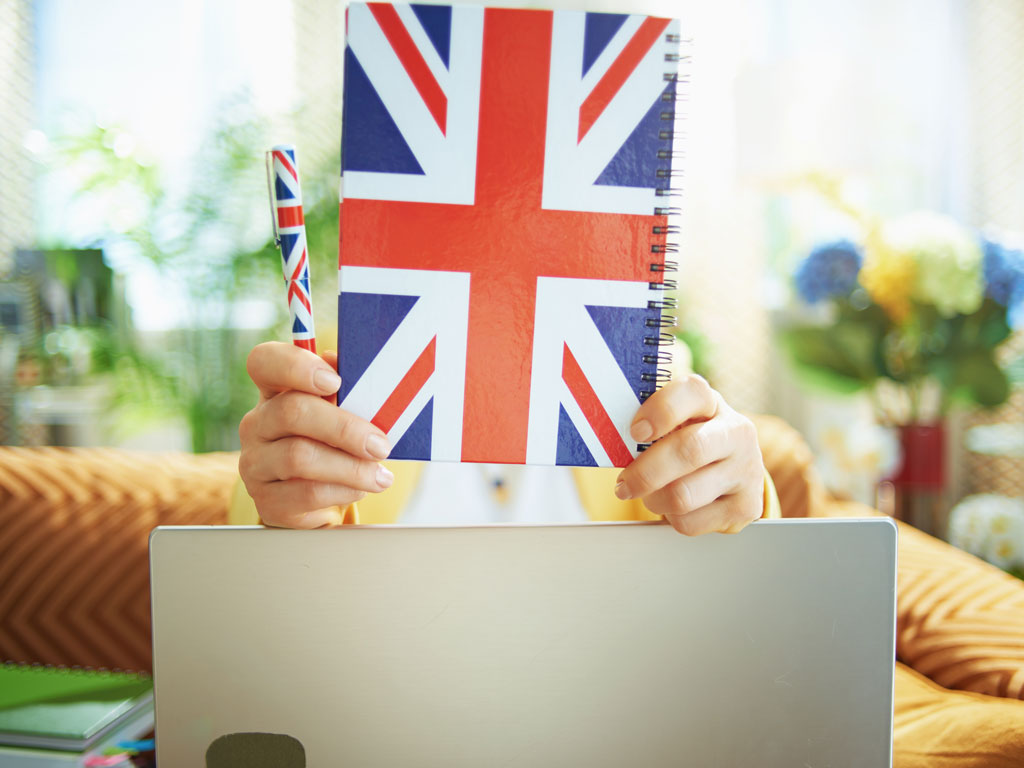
[
  {"x": 948, "y": 258},
  {"x": 888, "y": 276},
  {"x": 925, "y": 258}
]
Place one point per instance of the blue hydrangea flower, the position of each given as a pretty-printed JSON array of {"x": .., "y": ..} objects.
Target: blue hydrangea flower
[
  {"x": 1003, "y": 268},
  {"x": 829, "y": 270},
  {"x": 1015, "y": 307}
]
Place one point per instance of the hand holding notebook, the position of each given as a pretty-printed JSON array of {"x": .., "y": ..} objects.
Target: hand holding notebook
[{"x": 504, "y": 231}]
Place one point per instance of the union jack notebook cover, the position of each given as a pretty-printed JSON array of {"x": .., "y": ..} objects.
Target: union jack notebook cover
[{"x": 505, "y": 202}]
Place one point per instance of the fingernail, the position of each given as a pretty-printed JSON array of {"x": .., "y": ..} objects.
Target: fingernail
[
  {"x": 326, "y": 381},
  {"x": 622, "y": 490},
  {"x": 641, "y": 431},
  {"x": 384, "y": 477},
  {"x": 377, "y": 446}
]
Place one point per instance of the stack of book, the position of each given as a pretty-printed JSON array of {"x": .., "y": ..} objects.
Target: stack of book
[{"x": 55, "y": 716}]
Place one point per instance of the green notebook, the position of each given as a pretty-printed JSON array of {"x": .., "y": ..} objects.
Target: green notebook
[{"x": 68, "y": 709}]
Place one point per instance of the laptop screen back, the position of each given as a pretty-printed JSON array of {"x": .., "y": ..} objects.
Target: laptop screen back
[{"x": 600, "y": 645}]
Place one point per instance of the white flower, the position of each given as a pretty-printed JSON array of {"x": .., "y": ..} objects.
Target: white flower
[
  {"x": 990, "y": 526},
  {"x": 853, "y": 454}
]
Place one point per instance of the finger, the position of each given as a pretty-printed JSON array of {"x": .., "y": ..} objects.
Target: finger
[
  {"x": 298, "y": 458},
  {"x": 303, "y": 503},
  {"x": 276, "y": 367},
  {"x": 726, "y": 515},
  {"x": 331, "y": 358},
  {"x": 676, "y": 403},
  {"x": 297, "y": 414},
  {"x": 697, "y": 489},
  {"x": 681, "y": 452}
]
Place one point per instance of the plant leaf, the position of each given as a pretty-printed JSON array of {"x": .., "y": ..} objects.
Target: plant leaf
[{"x": 978, "y": 377}]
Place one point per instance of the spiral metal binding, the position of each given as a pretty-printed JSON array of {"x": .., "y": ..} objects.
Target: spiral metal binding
[{"x": 659, "y": 340}]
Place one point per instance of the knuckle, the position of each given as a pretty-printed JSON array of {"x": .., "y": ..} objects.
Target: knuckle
[
  {"x": 743, "y": 511},
  {"x": 256, "y": 493},
  {"x": 298, "y": 455},
  {"x": 347, "y": 431},
  {"x": 640, "y": 478},
  {"x": 272, "y": 518},
  {"x": 746, "y": 430},
  {"x": 245, "y": 468},
  {"x": 665, "y": 404},
  {"x": 664, "y": 415},
  {"x": 269, "y": 512},
  {"x": 682, "y": 496},
  {"x": 292, "y": 408},
  {"x": 686, "y": 525},
  {"x": 699, "y": 383},
  {"x": 655, "y": 505},
  {"x": 691, "y": 448},
  {"x": 313, "y": 496},
  {"x": 247, "y": 426},
  {"x": 258, "y": 496},
  {"x": 740, "y": 519},
  {"x": 753, "y": 509},
  {"x": 255, "y": 361}
]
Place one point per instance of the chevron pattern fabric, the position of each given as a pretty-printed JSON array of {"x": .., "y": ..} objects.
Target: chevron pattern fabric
[
  {"x": 74, "y": 537},
  {"x": 960, "y": 621},
  {"x": 790, "y": 462},
  {"x": 74, "y": 575}
]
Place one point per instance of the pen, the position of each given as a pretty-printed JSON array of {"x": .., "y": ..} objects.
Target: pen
[{"x": 290, "y": 236}]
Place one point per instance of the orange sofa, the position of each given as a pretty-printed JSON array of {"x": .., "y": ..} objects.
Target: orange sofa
[{"x": 74, "y": 585}]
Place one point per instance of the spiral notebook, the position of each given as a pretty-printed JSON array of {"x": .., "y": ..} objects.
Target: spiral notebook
[{"x": 506, "y": 190}]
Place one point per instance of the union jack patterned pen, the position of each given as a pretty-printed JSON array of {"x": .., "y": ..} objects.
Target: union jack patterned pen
[{"x": 290, "y": 237}]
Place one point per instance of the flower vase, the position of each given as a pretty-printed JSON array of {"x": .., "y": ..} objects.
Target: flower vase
[{"x": 919, "y": 482}]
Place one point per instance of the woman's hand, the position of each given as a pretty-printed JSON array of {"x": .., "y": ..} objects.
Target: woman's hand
[
  {"x": 302, "y": 456},
  {"x": 704, "y": 472}
]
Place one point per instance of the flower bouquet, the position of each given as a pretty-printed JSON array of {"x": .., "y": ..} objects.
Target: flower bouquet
[
  {"x": 914, "y": 315},
  {"x": 911, "y": 312}
]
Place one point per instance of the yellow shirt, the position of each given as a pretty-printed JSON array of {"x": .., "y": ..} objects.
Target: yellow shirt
[{"x": 595, "y": 487}]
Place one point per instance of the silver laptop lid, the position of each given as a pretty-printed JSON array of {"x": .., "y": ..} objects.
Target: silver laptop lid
[{"x": 600, "y": 645}]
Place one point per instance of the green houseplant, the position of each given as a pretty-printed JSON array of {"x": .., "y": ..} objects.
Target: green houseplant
[{"x": 214, "y": 241}]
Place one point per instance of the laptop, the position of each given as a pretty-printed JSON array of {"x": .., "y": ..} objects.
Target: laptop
[{"x": 604, "y": 644}]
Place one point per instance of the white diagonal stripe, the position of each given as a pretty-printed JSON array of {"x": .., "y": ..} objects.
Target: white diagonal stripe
[
  {"x": 424, "y": 44},
  {"x": 608, "y": 55},
  {"x": 579, "y": 420},
  {"x": 441, "y": 310},
  {"x": 448, "y": 160},
  {"x": 561, "y": 318}
]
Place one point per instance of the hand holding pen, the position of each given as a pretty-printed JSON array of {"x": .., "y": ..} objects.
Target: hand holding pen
[
  {"x": 290, "y": 236},
  {"x": 303, "y": 461}
]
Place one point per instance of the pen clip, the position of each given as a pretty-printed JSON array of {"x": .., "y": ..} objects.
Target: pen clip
[{"x": 272, "y": 197}]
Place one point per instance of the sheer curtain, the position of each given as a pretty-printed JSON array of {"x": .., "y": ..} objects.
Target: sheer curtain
[{"x": 873, "y": 92}]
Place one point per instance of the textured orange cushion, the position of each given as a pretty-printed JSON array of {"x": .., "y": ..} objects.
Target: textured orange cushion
[
  {"x": 74, "y": 560},
  {"x": 791, "y": 465},
  {"x": 937, "y": 728},
  {"x": 960, "y": 621}
]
